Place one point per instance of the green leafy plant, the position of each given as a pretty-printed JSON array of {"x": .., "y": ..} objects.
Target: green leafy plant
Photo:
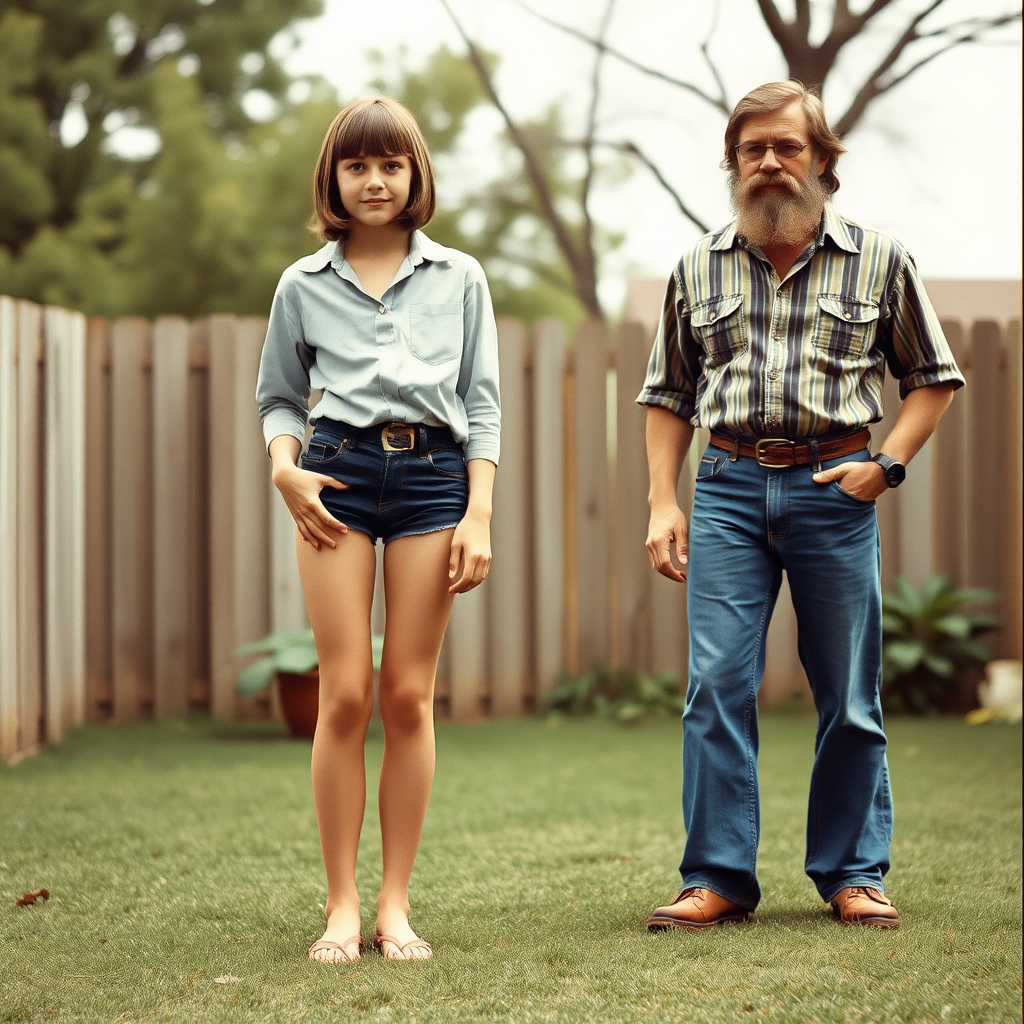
[
  {"x": 931, "y": 639},
  {"x": 622, "y": 694},
  {"x": 289, "y": 651}
]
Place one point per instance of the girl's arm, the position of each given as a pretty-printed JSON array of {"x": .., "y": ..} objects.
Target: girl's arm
[
  {"x": 301, "y": 491},
  {"x": 471, "y": 545}
]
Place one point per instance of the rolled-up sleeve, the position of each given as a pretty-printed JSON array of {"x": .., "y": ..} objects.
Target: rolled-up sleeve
[
  {"x": 916, "y": 348},
  {"x": 674, "y": 366},
  {"x": 282, "y": 390},
  {"x": 478, "y": 375}
]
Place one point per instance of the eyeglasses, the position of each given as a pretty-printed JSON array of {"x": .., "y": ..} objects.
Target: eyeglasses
[{"x": 753, "y": 152}]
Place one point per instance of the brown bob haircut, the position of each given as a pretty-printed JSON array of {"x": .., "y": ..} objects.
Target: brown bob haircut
[
  {"x": 376, "y": 127},
  {"x": 767, "y": 99}
]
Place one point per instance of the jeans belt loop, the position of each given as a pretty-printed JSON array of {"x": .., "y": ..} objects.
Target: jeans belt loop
[
  {"x": 812, "y": 443},
  {"x": 734, "y": 455}
]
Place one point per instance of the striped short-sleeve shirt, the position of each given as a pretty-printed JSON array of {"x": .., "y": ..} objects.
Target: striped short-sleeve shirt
[{"x": 741, "y": 352}]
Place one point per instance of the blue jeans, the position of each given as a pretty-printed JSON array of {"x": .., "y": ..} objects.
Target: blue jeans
[{"x": 748, "y": 524}]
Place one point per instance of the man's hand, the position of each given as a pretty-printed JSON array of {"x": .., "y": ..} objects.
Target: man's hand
[
  {"x": 668, "y": 526},
  {"x": 864, "y": 481}
]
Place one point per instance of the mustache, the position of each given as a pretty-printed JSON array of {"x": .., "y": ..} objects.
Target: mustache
[{"x": 760, "y": 180}]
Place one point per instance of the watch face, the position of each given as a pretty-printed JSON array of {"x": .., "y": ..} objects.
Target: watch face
[{"x": 895, "y": 474}]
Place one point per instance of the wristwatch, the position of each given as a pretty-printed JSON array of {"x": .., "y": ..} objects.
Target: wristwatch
[{"x": 895, "y": 472}]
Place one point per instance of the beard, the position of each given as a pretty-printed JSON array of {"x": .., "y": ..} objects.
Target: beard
[{"x": 769, "y": 219}]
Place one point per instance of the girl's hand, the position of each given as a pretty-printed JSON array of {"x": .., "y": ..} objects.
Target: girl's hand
[
  {"x": 471, "y": 547},
  {"x": 301, "y": 489}
]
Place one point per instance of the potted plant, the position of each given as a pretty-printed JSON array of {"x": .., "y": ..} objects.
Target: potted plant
[
  {"x": 931, "y": 641},
  {"x": 289, "y": 656}
]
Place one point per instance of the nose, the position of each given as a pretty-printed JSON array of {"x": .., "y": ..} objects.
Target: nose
[
  {"x": 770, "y": 162},
  {"x": 376, "y": 183}
]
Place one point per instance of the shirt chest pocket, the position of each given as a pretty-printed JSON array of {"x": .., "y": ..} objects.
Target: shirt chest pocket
[
  {"x": 719, "y": 328},
  {"x": 845, "y": 325},
  {"x": 435, "y": 331}
]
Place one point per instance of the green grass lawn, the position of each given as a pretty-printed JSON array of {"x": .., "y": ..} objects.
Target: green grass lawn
[{"x": 179, "y": 854}]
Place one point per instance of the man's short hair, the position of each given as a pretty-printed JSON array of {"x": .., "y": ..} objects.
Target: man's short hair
[{"x": 773, "y": 96}]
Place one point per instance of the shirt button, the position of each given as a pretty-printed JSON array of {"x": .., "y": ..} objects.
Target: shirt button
[
  {"x": 383, "y": 309},
  {"x": 773, "y": 374},
  {"x": 847, "y": 314}
]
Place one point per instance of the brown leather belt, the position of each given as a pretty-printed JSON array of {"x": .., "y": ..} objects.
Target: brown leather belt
[{"x": 780, "y": 452}]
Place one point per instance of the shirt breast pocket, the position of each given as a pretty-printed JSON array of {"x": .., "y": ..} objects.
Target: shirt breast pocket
[
  {"x": 435, "y": 331},
  {"x": 846, "y": 325},
  {"x": 720, "y": 329}
]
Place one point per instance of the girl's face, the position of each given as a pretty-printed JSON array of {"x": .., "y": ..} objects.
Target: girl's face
[{"x": 374, "y": 189}]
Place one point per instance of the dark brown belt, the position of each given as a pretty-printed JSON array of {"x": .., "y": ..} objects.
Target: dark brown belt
[{"x": 780, "y": 452}]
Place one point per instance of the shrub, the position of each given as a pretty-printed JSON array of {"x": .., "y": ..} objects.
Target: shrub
[{"x": 622, "y": 694}]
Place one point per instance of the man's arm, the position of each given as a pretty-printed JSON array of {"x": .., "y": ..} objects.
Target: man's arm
[
  {"x": 918, "y": 417},
  {"x": 668, "y": 440}
]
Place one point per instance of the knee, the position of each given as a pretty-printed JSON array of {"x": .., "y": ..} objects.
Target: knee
[
  {"x": 345, "y": 709},
  {"x": 405, "y": 706}
]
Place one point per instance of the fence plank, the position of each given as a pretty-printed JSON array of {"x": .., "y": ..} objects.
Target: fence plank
[
  {"x": 170, "y": 483},
  {"x": 548, "y": 415},
  {"x": 985, "y": 466},
  {"x": 633, "y": 589},
  {"x": 509, "y": 626},
  {"x": 98, "y": 652},
  {"x": 890, "y": 504},
  {"x": 198, "y": 552},
  {"x": 949, "y": 486},
  {"x": 467, "y": 655},
  {"x": 9, "y": 710},
  {"x": 1011, "y": 476},
  {"x": 131, "y": 519},
  {"x": 64, "y": 341},
  {"x": 590, "y": 448},
  {"x": 30, "y": 532}
]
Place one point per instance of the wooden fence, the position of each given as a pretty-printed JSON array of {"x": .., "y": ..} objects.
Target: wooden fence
[{"x": 141, "y": 539}]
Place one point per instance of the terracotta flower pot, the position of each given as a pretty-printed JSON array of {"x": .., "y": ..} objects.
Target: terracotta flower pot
[{"x": 300, "y": 701}]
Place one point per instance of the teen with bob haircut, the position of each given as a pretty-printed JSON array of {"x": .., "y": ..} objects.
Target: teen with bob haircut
[{"x": 398, "y": 333}]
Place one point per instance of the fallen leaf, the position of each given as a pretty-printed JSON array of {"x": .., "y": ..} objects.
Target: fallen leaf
[
  {"x": 226, "y": 979},
  {"x": 30, "y": 897}
]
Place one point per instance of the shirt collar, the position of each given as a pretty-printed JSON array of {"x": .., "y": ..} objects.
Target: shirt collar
[
  {"x": 333, "y": 254},
  {"x": 832, "y": 226}
]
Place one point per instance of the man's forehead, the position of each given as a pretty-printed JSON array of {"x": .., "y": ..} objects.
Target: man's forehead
[{"x": 788, "y": 120}]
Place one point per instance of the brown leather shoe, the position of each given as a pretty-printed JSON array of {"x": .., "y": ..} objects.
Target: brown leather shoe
[
  {"x": 695, "y": 909},
  {"x": 862, "y": 905}
]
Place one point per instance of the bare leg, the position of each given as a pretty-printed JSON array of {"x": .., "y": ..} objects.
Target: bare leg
[
  {"x": 418, "y": 605},
  {"x": 338, "y": 584}
]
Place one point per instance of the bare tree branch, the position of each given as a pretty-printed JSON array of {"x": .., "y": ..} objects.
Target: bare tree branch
[
  {"x": 711, "y": 65},
  {"x": 584, "y": 275},
  {"x": 680, "y": 83},
  {"x": 879, "y": 81}
]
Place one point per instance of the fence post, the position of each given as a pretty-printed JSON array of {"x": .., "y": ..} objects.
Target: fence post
[
  {"x": 633, "y": 570},
  {"x": 9, "y": 710},
  {"x": 590, "y": 445},
  {"x": 548, "y": 415},
  {"x": 169, "y": 469},
  {"x": 30, "y": 531},
  {"x": 98, "y": 663},
  {"x": 1012, "y": 526},
  {"x": 64, "y": 340},
  {"x": 509, "y": 628},
  {"x": 198, "y": 548},
  {"x": 131, "y": 518},
  {"x": 949, "y": 485}
]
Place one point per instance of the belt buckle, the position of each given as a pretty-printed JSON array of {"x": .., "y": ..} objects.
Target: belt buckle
[
  {"x": 773, "y": 442},
  {"x": 398, "y": 437}
]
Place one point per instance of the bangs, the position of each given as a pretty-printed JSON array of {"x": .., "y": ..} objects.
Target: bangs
[{"x": 373, "y": 131}]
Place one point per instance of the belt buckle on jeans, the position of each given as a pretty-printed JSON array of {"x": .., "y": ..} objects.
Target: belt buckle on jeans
[
  {"x": 398, "y": 437},
  {"x": 773, "y": 442}
]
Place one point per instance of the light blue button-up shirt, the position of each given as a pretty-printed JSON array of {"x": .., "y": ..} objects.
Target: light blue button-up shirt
[{"x": 426, "y": 352}]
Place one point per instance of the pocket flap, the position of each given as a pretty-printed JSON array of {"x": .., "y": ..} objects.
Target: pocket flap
[
  {"x": 845, "y": 307},
  {"x": 705, "y": 313}
]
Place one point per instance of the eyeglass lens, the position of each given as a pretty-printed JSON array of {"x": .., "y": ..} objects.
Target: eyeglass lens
[{"x": 751, "y": 151}]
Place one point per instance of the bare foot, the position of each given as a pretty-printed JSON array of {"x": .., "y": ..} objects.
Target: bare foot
[
  {"x": 395, "y": 938},
  {"x": 340, "y": 942}
]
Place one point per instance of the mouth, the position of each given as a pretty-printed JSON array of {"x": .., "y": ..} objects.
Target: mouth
[{"x": 374, "y": 203}]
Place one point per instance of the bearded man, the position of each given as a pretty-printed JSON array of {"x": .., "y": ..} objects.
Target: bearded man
[{"x": 775, "y": 334}]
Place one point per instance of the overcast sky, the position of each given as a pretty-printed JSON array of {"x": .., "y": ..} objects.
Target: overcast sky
[{"x": 937, "y": 162}]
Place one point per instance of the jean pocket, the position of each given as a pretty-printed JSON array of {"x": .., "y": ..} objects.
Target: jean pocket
[
  {"x": 710, "y": 466},
  {"x": 851, "y": 497},
  {"x": 720, "y": 328},
  {"x": 435, "y": 331},
  {"x": 324, "y": 450},
  {"x": 449, "y": 462},
  {"x": 845, "y": 325}
]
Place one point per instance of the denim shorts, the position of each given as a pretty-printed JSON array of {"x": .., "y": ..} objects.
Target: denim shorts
[{"x": 390, "y": 494}]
